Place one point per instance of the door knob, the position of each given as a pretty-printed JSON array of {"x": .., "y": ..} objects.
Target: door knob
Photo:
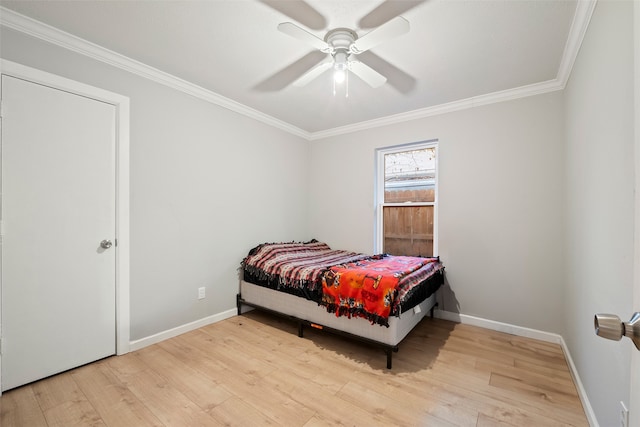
[
  {"x": 106, "y": 244},
  {"x": 610, "y": 326}
]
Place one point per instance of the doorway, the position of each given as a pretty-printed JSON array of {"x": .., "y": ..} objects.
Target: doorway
[{"x": 62, "y": 320}]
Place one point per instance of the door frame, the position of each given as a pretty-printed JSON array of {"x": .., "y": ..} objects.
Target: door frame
[
  {"x": 634, "y": 404},
  {"x": 121, "y": 104}
]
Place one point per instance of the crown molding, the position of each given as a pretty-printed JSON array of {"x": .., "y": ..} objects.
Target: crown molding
[
  {"x": 581, "y": 19},
  {"x": 42, "y": 31},
  {"x": 463, "y": 104}
]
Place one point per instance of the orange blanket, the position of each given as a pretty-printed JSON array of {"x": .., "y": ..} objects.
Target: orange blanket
[{"x": 367, "y": 288}]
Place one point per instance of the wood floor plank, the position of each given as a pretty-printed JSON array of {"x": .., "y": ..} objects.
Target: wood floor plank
[
  {"x": 464, "y": 347},
  {"x": 553, "y": 371},
  {"x": 186, "y": 352},
  {"x": 327, "y": 406},
  {"x": 73, "y": 413},
  {"x": 200, "y": 389},
  {"x": 277, "y": 338},
  {"x": 115, "y": 403},
  {"x": 20, "y": 408},
  {"x": 255, "y": 370},
  {"x": 377, "y": 403},
  {"x": 546, "y": 392},
  {"x": 424, "y": 402},
  {"x": 270, "y": 402},
  {"x": 56, "y": 390},
  {"x": 126, "y": 365},
  {"x": 63, "y": 403},
  {"x": 560, "y": 384},
  {"x": 487, "y": 421},
  {"x": 237, "y": 412},
  {"x": 499, "y": 406},
  {"x": 274, "y": 404},
  {"x": 513, "y": 402},
  {"x": 168, "y": 404},
  {"x": 237, "y": 339},
  {"x": 221, "y": 351},
  {"x": 406, "y": 411},
  {"x": 190, "y": 353},
  {"x": 534, "y": 350},
  {"x": 309, "y": 364}
]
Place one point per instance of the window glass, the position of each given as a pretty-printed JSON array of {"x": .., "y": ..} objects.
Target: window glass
[
  {"x": 410, "y": 176},
  {"x": 407, "y": 212}
]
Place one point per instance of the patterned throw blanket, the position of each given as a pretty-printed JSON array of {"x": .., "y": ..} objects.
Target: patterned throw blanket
[
  {"x": 368, "y": 288},
  {"x": 346, "y": 283},
  {"x": 295, "y": 265}
]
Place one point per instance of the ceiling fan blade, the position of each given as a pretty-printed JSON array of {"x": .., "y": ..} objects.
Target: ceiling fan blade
[
  {"x": 394, "y": 28},
  {"x": 287, "y": 75},
  {"x": 313, "y": 73},
  {"x": 296, "y": 32},
  {"x": 366, "y": 73},
  {"x": 386, "y": 11},
  {"x": 300, "y": 12},
  {"x": 396, "y": 78}
]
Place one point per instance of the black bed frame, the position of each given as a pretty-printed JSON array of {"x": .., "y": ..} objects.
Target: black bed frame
[{"x": 389, "y": 349}]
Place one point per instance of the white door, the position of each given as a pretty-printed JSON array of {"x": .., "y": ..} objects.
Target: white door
[
  {"x": 58, "y": 204},
  {"x": 634, "y": 405}
]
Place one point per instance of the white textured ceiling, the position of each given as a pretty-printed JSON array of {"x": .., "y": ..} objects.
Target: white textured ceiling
[{"x": 455, "y": 50}]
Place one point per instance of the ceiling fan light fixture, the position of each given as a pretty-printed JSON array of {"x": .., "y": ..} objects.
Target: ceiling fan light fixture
[{"x": 340, "y": 66}]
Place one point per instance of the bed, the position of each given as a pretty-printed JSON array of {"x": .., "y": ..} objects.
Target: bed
[{"x": 377, "y": 299}]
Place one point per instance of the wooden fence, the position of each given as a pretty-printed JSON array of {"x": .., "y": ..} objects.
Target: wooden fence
[
  {"x": 402, "y": 196},
  {"x": 408, "y": 230}
]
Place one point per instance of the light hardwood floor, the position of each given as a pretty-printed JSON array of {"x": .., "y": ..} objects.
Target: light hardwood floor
[{"x": 254, "y": 370}]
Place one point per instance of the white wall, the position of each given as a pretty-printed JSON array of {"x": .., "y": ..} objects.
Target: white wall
[
  {"x": 501, "y": 190},
  {"x": 600, "y": 204},
  {"x": 207, "y": 184}
]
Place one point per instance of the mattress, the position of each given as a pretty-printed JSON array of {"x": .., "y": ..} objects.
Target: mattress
[{"x": 301, "y": 308}]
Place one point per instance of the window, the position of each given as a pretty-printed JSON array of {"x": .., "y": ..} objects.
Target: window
[{"x": 407, "y": 198}]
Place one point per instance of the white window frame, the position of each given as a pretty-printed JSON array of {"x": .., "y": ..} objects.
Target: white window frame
[{"x": 378, "y": 240}]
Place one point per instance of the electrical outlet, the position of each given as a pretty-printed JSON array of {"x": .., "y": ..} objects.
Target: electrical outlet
[
  {"x": 624, "y": 415},
  {"x": 201, "y": 292}
]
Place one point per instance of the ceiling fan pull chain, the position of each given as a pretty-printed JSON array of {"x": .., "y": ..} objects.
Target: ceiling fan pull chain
[{"x": 346, "y": 84}]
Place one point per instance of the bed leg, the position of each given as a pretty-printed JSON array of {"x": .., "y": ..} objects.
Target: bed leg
[
  {"x": 389, "y": 357},
  {"x": 238, "y": 304},
  {"x": 300, "y": 329},
  {"x": 432, "y": 309}
]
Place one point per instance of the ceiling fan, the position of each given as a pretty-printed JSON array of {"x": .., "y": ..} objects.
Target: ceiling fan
[{"x": 342, "y": 45}]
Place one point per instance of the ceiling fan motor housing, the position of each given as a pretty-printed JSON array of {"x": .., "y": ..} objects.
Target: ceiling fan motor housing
[{"x": 341, "y": 40}]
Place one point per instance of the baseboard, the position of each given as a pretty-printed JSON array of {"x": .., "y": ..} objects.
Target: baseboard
[
  {"x": 161, "y": 336},
  {"x": 499, "y": 326},
  {"x": 588, "y": 409},
  {"x": 528, "y": 333}
]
